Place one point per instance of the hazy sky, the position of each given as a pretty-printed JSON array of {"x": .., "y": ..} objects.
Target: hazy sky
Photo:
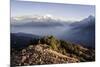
[{"x": 66, "y": 11}]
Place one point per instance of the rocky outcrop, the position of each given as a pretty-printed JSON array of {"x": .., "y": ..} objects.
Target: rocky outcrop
[
  {"x": 39, "y": 54},
  {"x": 49, "y": 50}
]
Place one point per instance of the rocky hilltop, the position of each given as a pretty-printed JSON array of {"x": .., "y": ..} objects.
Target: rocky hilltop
[{"x": 49, "y": 50}]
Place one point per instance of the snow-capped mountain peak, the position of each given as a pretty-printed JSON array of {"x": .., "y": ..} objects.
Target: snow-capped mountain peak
[{"x": 35, "y": 18}]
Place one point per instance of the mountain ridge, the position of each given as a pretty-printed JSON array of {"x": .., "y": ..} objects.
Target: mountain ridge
[{"x": 49, "y": 50}]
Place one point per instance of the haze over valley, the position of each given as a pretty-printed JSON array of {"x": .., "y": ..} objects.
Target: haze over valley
[{"x": 76, "y": 31}]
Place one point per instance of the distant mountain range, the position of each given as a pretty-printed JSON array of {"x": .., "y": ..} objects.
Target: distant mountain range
[
  {"x": 43, "y": 21},
  {"x": 36, "y": 18},
  {"x": 82, "y": 32}
]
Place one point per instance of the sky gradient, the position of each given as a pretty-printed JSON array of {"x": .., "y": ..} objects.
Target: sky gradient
[{"x": 66, "y": 11}]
